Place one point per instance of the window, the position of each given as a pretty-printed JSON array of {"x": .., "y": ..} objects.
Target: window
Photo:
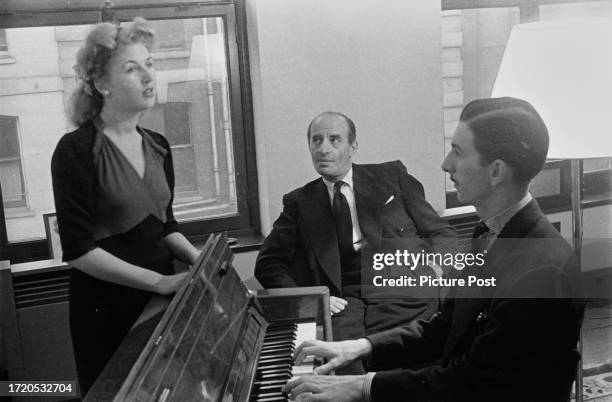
[
  {"x": 193, "y": 112},
  {"x": 11, "y": 173},
  {"x": 202, "y": 89},
  {"x": 474, "y": 37},
  {"x": 3, "y": 43}
]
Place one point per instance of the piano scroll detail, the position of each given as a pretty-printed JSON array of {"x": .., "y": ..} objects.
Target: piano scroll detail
[{"x": 206, "y": 344}]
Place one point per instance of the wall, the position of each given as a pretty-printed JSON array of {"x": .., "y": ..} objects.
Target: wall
[
  {"x": 596, "y": 237},
  {"x": 378, "y": 64}
]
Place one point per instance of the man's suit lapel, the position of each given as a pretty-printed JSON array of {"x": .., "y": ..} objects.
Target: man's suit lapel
[
  {"x": 476, "y": 299},
  {"x": 321, "y": 231},
  {"x": 370, "y": 199}
]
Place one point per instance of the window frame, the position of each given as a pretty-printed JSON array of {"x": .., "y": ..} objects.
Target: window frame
[
  {"x": 3, "y": 43},
  {"x": 597, "y": 184},
  {"x": 246, "y": 223},
  {"x": 23, "y": 203}
]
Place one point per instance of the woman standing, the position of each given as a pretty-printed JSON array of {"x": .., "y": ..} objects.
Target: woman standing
[{"x": 113, "y": 184}]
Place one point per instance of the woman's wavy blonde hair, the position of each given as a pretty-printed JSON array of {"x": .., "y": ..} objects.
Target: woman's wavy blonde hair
[{"x": 92, "y": 61}]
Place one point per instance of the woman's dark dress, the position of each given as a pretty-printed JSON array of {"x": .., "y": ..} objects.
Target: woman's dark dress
[{"x": 102, "y": 202}]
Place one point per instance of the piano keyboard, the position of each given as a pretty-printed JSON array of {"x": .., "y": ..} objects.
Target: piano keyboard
[{"x": 275, "y": 366}]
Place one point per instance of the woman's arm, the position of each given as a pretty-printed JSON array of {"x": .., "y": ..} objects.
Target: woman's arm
[
  {"x": 104, "y": 266},
  {"x": 181, "y": 248}
]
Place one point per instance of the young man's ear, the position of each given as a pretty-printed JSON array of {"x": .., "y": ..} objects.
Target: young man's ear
[{"x": 498, "y": 171}]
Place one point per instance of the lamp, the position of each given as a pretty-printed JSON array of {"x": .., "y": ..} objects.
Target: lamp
[{"x": 564, "y": 69}]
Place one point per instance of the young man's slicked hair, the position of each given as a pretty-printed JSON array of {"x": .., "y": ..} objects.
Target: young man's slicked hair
[{"x": 509, "y": 129}]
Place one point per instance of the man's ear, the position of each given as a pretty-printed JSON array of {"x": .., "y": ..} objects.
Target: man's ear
[
  {"x": 498, "y": 172},
  {"x": 354, "y": 147}
]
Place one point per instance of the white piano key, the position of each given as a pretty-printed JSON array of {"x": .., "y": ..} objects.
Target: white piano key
[{"x": 305, "y": 332}]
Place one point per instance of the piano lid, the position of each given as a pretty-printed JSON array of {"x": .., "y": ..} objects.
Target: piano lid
[{"x": 204, "y": 345}]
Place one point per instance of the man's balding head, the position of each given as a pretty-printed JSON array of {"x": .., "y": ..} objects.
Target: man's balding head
[
  {"x": 332, "y": 144},
  {"x": 352, "y": 132}
]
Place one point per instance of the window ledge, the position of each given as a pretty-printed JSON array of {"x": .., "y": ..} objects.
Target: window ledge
[
  {"x": 7, "y": 60},
  {"x": 245, "y": 242},
  {"x": 18, "y": 212}
]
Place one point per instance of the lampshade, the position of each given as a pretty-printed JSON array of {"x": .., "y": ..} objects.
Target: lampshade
[{"x": 564, "y": 69}]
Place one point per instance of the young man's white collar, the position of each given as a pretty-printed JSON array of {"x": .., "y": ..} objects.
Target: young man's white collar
[{"x": 497, "y": 222}]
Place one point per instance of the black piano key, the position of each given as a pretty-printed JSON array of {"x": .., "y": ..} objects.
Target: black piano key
[
  {"x": 270, "y": 382},
  {"x": 275, "y": 362},
  {"x": 272, "y": 376},
  {"x": 289, "y": 331},
  {"x": 271, "y": 399},
  {"x": 277, "y": 349},
  {"x": 274, "y": 326},
  {"x": 277, "y": 358},
  {"x": 284, "y": 350},
  {"x": 270, "y": 395},
  {"x": 277, "y": 343},
  {"x": 286, "y": 367},
  {"x": 275, "y": 366},
  {"x": 279, "y": 371},
  {"x": 268, "y": 388},
  {"x": 284, "y": 337}
]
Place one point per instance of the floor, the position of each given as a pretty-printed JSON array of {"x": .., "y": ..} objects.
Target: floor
[{"x": 597, "y": 352}]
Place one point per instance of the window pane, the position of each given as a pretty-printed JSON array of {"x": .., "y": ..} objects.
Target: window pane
[
  {"x": 193, "y": 112},
  {"x": 473, "y": 43},
  {"x": 13, "y": 194},
  {"x": 9, "y": 141},
  {"x": 576, "y": 10},
  {"x": 41, "y": 81},
  {"x": 581, "y": 10},
  {"x": 11, "y": 175},
  {"x": 3, "y": 43}
]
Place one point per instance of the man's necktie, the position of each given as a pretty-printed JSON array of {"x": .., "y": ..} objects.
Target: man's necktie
[
  {"x": 342, "y": 220},
  {"x": 479, "y": 237}
]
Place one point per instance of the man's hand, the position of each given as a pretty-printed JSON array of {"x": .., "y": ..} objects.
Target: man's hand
[
  {"x": 310, "y": 388},
  {"x": 337, "y": 354},
  {"x": 337, "y": 304}
]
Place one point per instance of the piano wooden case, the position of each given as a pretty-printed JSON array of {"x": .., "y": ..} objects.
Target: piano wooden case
[{"x": 206, "y": 342}]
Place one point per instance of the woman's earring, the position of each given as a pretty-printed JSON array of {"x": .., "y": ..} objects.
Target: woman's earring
[{"x": 105, "y": 92}]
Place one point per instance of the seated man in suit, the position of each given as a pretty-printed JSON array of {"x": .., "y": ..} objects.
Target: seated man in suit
[
  {"x": 512, "y": 341},
  {"x": 324, "y": 226}
]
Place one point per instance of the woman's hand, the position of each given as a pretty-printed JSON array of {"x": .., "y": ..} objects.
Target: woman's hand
[
  {"x": 181, "y": 248},
  {"x": 169, "y": 284}
]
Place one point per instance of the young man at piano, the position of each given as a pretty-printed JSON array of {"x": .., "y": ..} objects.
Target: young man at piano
[
  {"x": 515, "y": 341},
  {"x": 324, "y": 226}
]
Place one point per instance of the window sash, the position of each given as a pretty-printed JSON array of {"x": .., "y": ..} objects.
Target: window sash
[
  {"x": 596, "y": 183},
  {"x": 246, "y": 222}
]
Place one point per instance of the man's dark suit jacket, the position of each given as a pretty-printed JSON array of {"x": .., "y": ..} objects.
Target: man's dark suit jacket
[
  {"x": 500, "y": 345},
  {"x": 302, "y": 249}
]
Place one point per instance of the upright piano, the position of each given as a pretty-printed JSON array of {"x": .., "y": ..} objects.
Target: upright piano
[{"x": 215, "y": 340}]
